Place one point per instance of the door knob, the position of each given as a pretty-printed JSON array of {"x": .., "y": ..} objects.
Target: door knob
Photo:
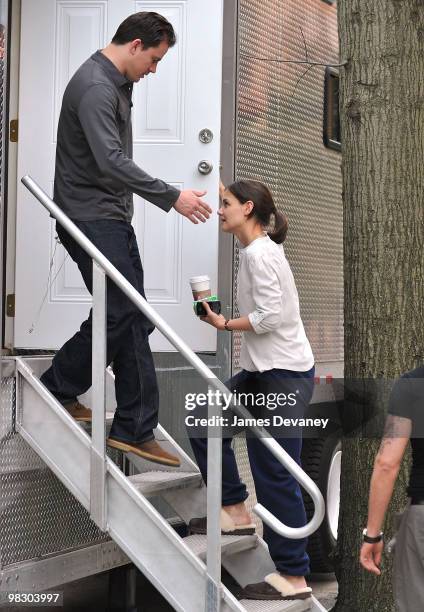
[{"x": 205, "y": 166}]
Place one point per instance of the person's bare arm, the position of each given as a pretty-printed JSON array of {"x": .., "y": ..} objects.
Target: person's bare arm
[{"x": 386, "y": 468}]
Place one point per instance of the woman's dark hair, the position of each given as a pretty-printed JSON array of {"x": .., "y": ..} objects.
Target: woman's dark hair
[
  {"x": 151, "y": 28},
  {"x": 263, "y": 207}
]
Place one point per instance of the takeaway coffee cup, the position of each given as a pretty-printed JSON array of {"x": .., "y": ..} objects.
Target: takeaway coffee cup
[{"x": 200, "y": 287}]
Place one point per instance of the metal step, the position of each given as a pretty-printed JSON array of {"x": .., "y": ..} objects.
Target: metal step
[
  {"x": 255, "y": 605},
  {"x": 170, "y": 446},
  {"x": 229, "y": 544},
  {"x": 233, "y": 545},
  {"x": 157, "y": 481}
]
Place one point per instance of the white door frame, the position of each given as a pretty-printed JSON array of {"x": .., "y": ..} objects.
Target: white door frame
[{"x": 12, "y": 166}]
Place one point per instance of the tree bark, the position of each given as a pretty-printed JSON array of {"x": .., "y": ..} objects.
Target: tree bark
[{"x": 382, "y": 122}]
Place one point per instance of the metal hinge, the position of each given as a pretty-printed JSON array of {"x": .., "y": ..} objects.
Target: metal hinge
[
  {"x": 14, "y": 130},
  {"x": 10, "y": 305}
]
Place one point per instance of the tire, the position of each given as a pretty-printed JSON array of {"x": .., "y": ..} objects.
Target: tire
[{"x": 321, "y": 461}]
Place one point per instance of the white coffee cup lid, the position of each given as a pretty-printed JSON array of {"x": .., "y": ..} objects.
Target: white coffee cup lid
[{"x": 199, "y": 279}]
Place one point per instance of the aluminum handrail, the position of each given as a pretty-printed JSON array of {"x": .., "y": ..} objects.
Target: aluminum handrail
[{"x": 281, "y": 455}]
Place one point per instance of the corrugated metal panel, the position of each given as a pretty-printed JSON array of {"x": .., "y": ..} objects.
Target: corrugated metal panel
[{"x": 279, "y": 141}]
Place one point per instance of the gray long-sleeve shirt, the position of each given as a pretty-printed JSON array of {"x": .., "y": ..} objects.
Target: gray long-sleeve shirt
[{"x": 95, "y": 175}]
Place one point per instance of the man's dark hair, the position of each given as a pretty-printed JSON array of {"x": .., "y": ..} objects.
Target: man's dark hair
[{"x": 151, "y": 28}]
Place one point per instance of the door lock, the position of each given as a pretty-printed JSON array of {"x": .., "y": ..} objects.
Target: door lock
[{"x": 205, "y": 167}]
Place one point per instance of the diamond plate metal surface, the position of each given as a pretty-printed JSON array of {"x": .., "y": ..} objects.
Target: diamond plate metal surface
[
  {"x": 159, "y": 476},
  {"x": 38, "y": 516},
  {"x": 255, "y": 605},
  {"x": 279, "y": 141},
  {"x": 151, "y": 483},
  {"x": 198, "y": 543}
]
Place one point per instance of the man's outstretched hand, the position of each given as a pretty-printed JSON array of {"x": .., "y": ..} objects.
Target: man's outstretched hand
[{"x": 190, "y": 205}]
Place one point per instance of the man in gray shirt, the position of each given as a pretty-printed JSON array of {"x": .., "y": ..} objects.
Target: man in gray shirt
[{"x": 95, "y": 178}]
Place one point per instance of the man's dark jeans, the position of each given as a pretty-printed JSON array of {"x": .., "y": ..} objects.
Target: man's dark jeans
[{"x": 137, "y": 394}]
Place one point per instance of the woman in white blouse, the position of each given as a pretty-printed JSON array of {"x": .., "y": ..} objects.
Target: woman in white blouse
[{"x": 276, "y": 358}]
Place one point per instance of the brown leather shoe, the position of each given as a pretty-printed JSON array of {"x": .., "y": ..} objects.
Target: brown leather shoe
[
  {"x": 152, "y": 451},
  {"x": 78, "y": 411}
]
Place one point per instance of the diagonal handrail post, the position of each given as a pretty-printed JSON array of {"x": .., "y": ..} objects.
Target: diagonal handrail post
[
  {"x": 214, "y": 501},
  {"x": 98, "y": 511}
]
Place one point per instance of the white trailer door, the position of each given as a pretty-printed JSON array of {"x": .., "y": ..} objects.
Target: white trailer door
[{"x": 170, "y": 110}]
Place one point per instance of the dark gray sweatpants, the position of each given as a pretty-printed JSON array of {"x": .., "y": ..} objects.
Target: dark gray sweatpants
[{"x": 409, "y": 561}]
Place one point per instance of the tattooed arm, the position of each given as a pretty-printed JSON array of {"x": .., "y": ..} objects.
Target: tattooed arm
[{"x": 386, "y": 468}]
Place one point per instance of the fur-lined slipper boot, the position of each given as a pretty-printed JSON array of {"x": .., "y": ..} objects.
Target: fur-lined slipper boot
[
  {"x": 228, "y": 526},
  {"x": 273, "y": 587}
]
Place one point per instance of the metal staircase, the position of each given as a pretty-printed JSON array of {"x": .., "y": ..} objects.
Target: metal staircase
[{"x": 185, "y": 570}]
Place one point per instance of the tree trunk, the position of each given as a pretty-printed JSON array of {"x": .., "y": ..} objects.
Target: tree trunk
[{"x": 382, "y": 121}]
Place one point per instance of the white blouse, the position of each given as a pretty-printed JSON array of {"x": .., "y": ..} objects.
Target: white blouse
[{"x": 267, "y": 294}]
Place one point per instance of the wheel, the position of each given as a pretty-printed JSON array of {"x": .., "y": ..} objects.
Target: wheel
[{"x": 321, "y": 460}]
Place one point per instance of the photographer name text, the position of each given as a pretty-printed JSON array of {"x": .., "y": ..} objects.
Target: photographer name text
[{"x": 274, "y": 421}]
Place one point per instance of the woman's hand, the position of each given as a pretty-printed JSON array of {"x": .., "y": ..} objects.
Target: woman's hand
[
  {"x": 217, "y": 321},
  {"x": 221, "y": 189}
]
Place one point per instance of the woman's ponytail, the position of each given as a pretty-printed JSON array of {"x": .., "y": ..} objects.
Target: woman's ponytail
[{"x": 279, "y": 232}]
